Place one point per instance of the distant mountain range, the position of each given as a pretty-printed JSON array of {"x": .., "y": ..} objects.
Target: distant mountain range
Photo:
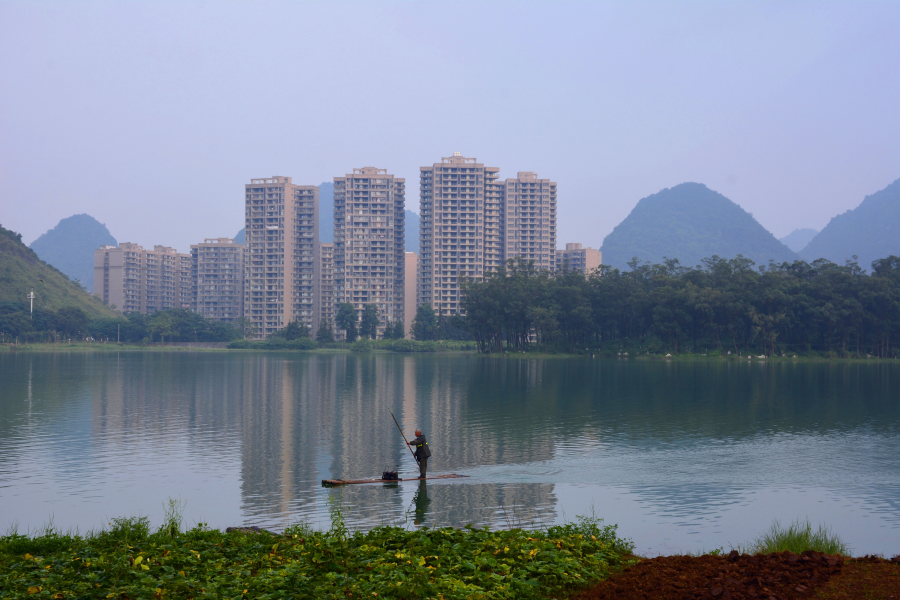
[
  {"x": 690, "y": 222},
  {"x": 870, "y": 231},
  {"x": 22, "y": 270},
  {"x": 798, "y": 239},
  {"x": 70, "y": 247}
]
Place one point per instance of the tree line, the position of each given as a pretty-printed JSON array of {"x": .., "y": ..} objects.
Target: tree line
[
  {"x": 172, "y": 325},
  {"x": 719, "y": 306}
]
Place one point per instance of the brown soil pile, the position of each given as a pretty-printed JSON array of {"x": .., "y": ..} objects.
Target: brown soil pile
[
  {"x": 778, "y": 576},
  {"x": 869, "y": 577}
]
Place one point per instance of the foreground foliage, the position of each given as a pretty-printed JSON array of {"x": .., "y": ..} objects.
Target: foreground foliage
[{"x": 129, "y": 562}]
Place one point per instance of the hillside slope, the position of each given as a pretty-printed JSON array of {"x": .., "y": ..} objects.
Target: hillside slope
[
  {"x": 21, "y": 270},
  {"x": 870, "y": 231},
  {"x": 690, "y": 222},
  {"x": 70, "y": 247}
]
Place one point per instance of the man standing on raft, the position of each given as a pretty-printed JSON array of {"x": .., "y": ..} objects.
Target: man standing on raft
[{"x": 422, "y": 452}]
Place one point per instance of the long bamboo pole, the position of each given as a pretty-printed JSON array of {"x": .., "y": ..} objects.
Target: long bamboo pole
[{"x": 404, "y": 436}]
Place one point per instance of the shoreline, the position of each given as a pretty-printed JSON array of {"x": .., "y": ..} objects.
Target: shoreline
[{"x": 114, "y": 347}]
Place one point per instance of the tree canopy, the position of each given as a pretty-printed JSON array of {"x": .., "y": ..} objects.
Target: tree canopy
[{"x": 723, "y": 305}]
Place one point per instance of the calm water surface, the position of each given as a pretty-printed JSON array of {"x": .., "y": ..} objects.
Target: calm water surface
[{"x": 683, "y": 456}]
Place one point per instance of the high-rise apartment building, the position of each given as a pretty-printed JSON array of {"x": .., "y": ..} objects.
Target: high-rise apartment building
[
  {"x": 409, "y": 309},
  {"x": 217, "y": 274},
  {"x": 369, "y": 223},
  {"x": 282, "y": 260},
  {"x": 453, "y": 195},
  {"x": 529, "y": 220},
  {"x": 576, "y": 258},
  {"x": 134, "y": 279},
  {"x": 326, "y": 283}
]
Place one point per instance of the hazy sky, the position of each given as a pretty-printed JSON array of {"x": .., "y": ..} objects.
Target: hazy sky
[{"x": 152, "y": 116}]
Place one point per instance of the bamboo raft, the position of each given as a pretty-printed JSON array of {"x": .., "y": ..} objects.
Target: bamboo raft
[{"x": 334, "y": 482}]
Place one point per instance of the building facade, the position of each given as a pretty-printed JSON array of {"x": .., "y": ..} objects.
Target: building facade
[
  {"x": 411, "y": 265},
  {"x": 452, "y": 197},
  {"x": 217, "y": 278},
  {"x": 576, "y": 258},
  {"x": 326, "y": 283},
  {"x": 528, "y": 208},
  {"x": 282, "y": 261},
  {"x": 134, "y": 279},
  {"x": 369, "y": 235}
]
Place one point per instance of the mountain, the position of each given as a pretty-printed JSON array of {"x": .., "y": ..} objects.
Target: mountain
[
  {"x": 690, "y": 222},
  {"x": 870, "y": 231},
  {"x": 70, "y": 247},
  {"x": 412, "y": 232},
  {"x": 21, "y": 270},
  {"x": 326, "y": 221},
  {"x": 798, "y": 239}
]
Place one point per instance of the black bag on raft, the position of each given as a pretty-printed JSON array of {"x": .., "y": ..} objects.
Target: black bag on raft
[{"x": 389, "y": 476}]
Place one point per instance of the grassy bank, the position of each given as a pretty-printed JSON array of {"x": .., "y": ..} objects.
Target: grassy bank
[{"x": 128, "y": 561}]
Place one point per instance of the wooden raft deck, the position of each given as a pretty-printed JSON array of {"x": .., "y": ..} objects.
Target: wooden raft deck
[{"x": 334, "y": 482}]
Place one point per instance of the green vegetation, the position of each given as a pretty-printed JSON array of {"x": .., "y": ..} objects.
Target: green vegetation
[
  {"x": 21, "y": 271},
  {"x": 796, "y": 537},
  {"x": 347, "y": 319},
  {"x": 724, "y": 306},
  {"x": 273, "y": 343},
  {"x": 127, "y": 560},
  {"x": 70, "y": 247},
  {"x": 427, "y": 326},
  {"x": 690, "y": 222},
  {"x": 866, "y": 233}
]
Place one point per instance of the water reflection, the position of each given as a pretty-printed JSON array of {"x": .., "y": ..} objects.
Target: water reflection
[{"x": 247, "y": 438}]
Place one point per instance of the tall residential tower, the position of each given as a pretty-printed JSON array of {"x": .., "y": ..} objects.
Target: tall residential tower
[
  {"x": 218, "y": 279},
  {"x": 529, "y": 220},
  {"x": 369, "y": 256},
  {"x": 282, "y": 260},
  {"x": 453, "y": 195}
]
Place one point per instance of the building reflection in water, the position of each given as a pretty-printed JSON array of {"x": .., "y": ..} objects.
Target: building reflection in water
[
  {"x": 313, "y": 417},
  {"x": 247, "y": 437}
]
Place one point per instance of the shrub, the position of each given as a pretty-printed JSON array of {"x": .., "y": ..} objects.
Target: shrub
[{"x": 796, "y": 537}]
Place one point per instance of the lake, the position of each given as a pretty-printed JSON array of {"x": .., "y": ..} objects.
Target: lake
[{"x": 683, "y": 456}]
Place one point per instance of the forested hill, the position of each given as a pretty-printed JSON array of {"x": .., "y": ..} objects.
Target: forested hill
[
  {"x": 21, "y": 270},
  {"x": 870, "y": 231},
  {"x": 690, "y": 222},
  {"x": 70, "y": 247}
]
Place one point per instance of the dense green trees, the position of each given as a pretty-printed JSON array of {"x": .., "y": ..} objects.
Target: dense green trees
[
  {"x": 428, "y": 326},
  {"x": 174, "y": 325},
  {"x": 324, "y": 334},
  {"x": 295, "y": 330},
  {"x": 347, "y": 319},
  {"x": 369, "y": 322},
  {"x": 725, "y": 305}
]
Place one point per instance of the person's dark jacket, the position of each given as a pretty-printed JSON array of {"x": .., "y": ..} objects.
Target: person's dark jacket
[{"x": 421, "y": 446}]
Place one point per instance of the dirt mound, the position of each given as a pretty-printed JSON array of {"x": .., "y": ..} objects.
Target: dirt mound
[{"x": 778, "y": 576}]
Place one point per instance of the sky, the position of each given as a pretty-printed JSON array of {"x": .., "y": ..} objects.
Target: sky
[{"x": 151, "y": 116}]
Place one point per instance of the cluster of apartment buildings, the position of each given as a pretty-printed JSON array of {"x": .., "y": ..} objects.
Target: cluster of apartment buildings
[{"x": 471, "y": 223}]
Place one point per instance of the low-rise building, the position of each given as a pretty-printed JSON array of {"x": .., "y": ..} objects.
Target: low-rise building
[{"x": 577, "y": 258}]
